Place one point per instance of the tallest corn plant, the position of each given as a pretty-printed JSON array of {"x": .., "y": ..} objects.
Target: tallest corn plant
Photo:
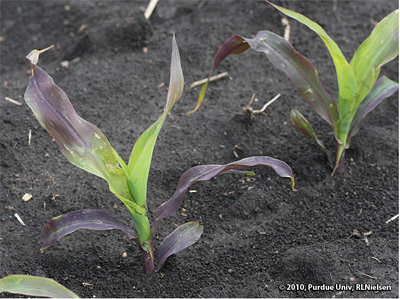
[{"x": 359, "y": 90}]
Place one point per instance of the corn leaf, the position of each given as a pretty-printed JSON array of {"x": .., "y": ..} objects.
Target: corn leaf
[
  {"x": 207, "y": 172},
  {"x": 66, "y": 224},
  {"x": 304, "y": 127},
  {"x": 300, "y": 71},
  {"x": 140, "y": 159},
  {"x": 233, "y": 46},
  {"x": 81, "y": 142},
  {"x": 34, "y": 286},
  {"x": 347, "y": 81},
  {"x": 284, "y": 57},
  {"x": 378, "y": 49},
  {"x": 383, "y": 89},
  {"x": 181, "y": 238}
]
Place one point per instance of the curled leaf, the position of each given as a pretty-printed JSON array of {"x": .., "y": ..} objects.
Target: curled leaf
[
  {"x": 304, "y": 127},
  {"x": 207, "y": 172},
  {"x": 34, "y": 286},
  {"x": 63, "y": 225},
  {"x": 181, "y": 238},
  {"x": 233, "y": 46}
]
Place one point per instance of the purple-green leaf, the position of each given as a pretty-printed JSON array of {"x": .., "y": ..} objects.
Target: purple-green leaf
[
  {"x": 383, "y": 88},
  {"x": 63, "y": 225},
  {"x": 81, "y": 142},
  {"x": 285, "y": 58},
  {"x": 233, "y": 46},
  {"x": 34, "y": 286},
  {"x": 140, "y": 159},
  {"x": 181, "y": 238},
  {"x": 207, "y": 172},
  {"x": 141, "y": 156},
  {"x": 299, "y": 70},
  {"x": 304, "y": 127}
]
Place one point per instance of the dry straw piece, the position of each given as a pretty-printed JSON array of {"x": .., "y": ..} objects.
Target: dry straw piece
[{"x": 27, "y": 197}]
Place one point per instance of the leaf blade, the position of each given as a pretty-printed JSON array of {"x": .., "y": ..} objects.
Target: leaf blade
[
  {"x": 181, "y": 238},
  {"x": 66, "y": 224},
  {"x": 381, "y": 46},
  {"x": 299, "y": 70},
  {"x": 34, "y": 286},
  {"x": 383, "y": 89},
  {"x": 206, "y": 172},
  {"x": 304, "y": 127},
  {"x": 140, "y": 159},
  {"x": 81, "y": 142},
  {"x": 233, "y": 46},
  {"x": 346, "y": 79}
]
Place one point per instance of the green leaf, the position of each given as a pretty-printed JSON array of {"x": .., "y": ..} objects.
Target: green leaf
[
  {"x": 139, "y": 163},
  {"x": 34, "y": 286},
  {"x": 378, "y": 49},
  {"x": 141, "y": 156},
  {"x": 122, "y": 163},
  {"x": 347, "y": 81},
  {"x": 304, "y": 127}
]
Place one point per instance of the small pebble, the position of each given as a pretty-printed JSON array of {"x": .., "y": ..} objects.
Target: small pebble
[{"x": 65, "y": 64}]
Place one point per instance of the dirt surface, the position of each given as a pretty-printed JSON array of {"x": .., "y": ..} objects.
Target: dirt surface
[{"x": 258, "y": 233}]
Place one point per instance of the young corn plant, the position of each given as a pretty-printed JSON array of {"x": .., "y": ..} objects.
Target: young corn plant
[
  {"x": 359, "y": 90},
  {"x": 85, "y": 146}
]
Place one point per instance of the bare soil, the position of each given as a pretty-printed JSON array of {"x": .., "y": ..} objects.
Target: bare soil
[{"x": 259, "y": 234}]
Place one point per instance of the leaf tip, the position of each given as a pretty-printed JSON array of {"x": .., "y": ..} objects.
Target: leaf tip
[
  {"x": 33, "y": 56},
  {"x": 194, "y": 110}
]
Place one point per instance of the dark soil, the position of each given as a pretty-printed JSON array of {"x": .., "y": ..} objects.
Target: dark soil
[{"x": 258, "y": 234}]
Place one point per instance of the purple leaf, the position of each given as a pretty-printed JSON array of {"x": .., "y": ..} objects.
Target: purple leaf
[
  {"x": 233, "y": 46},
  {"x": 176, "y": 81},
  {"x": 207, "y": 172},
  {"x": 181, "y": 238},
  {"x": 299, "y": 70},
  {"x": 63, "y": 225},
  {"x": 383, "y": 88}
]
